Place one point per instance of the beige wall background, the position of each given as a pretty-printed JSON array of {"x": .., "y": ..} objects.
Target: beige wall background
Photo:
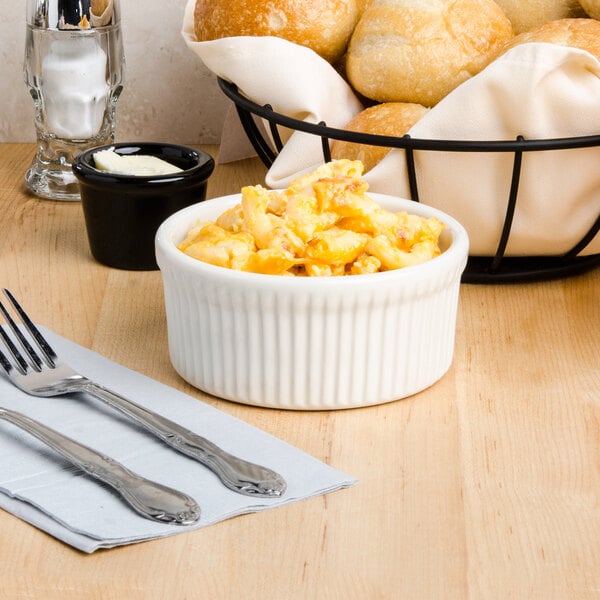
[{"x": 168, "y": 95}]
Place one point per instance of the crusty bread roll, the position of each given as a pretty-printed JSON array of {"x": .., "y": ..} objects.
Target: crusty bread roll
[
  {"x": 325, "y": 26},
  {"x": 362, "y": 5},
  {"x": 420, "y": 50},
  {"x": 591, "y": 8},
  {"x": 575, "y": 33},
  {"x": 390, "y": 118},
  {"x": 527, "y": 14}
]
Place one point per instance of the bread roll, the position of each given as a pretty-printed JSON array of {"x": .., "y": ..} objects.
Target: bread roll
[
  {"x": 390, "y": 118},
  {"x": 591, "y": 8},
  {"x": 325, "y": 26},
  {"x": 362, "y": 5},
  {"x": 575, "y": 33},
  {"x": 419, "y": 50},
  {"x": 527, "y": 14}
]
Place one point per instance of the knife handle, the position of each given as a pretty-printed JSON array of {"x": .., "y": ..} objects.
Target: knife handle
[{"x": 150, "y": 499}]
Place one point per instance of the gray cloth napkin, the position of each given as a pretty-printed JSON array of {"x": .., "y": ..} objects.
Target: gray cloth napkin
[{"x": 41, "y": 488}]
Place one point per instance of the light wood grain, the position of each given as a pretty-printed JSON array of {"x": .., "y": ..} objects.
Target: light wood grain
[{"x": 485, "y": 486}]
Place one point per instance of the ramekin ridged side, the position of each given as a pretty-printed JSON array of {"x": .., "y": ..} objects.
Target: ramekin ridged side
[{"x": 311, "y": 343}]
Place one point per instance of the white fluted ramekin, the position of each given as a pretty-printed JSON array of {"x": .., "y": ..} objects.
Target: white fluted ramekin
[{"x": 310, "y": 343}]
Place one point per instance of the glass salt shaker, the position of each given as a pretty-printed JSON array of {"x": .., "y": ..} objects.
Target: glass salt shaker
[{"x": 73, "y": 67}]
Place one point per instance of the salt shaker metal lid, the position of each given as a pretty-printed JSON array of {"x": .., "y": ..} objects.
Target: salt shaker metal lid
[{"x": 72, "y": 14}]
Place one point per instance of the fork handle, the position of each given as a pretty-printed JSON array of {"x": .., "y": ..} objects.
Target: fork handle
[
  {"x": 235, "y": 473},
  {"x": 152, "y": 500}
]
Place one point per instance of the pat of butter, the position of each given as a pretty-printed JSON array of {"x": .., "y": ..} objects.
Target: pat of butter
[{"x": 132, "y": 164}]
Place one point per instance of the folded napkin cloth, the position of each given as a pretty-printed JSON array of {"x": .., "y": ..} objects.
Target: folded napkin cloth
[
  {"x": 41, "y": 488},
  {"x": 539, "y": 91},
  {"x": 293, "y": 79}
]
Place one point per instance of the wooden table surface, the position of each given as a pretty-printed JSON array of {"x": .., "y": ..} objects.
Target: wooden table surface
[{"x": 486, "y": 485}]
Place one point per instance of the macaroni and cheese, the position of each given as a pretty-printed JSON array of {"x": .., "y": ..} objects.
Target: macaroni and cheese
[{"x": 323, "y": 224}]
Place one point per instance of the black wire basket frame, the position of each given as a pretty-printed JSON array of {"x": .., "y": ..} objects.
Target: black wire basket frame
[{"x": 480, "y": 269}]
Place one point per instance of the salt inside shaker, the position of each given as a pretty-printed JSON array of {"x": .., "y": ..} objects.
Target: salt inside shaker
[{"x": 73, "y": 68}]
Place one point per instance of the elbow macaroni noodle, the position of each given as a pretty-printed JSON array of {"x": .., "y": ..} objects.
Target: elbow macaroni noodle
[{"x": 324, "y": 224}]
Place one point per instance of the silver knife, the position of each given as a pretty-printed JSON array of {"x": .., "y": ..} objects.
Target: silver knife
[{"x": 150, "y": 499}]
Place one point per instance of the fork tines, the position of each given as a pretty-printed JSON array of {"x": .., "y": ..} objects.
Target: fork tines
[{"x": 21, "y": 363}]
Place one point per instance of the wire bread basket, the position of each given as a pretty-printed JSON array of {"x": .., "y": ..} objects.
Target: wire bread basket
[{"x": 498, "y": 268}]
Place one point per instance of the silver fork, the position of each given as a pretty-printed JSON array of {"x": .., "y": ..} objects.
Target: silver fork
[
  {"x": 43, "y": 374},
  {"x": 149, "y": 498}
]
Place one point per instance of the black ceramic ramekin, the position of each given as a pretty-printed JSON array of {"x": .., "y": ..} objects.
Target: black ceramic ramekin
[{"x": 123, "y": 212}]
